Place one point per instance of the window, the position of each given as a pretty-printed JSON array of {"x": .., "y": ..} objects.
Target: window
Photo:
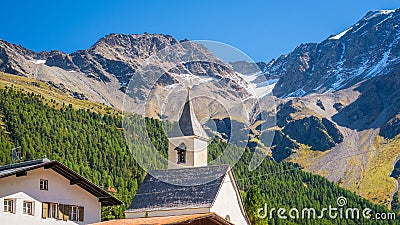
[
  {"x": 27, "y": 208},
  {"x": 53, "y": 210},
  {"x": 74, "y": 213},
  {"x": 62, "y": 212},
  {"x": 44, "y": 185},
  {"x": 181, "y": 153},
  {"x": 9, "y": 205},
  {"x": 181, "y": 157}
]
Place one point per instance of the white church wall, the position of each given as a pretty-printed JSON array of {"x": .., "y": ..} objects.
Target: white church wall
[
  {"x": 196, "y": 154},
  {"x": 227, "y": 203},
  {"x": 200, "y": 154}
]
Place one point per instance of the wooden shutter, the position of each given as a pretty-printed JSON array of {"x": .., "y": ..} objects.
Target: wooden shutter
[
  {"x": 60, "y": 212},
  {"x": 66, "y": 212},
  {"x": 81, "y": 213},
  {"x": 45, "y": 210}
]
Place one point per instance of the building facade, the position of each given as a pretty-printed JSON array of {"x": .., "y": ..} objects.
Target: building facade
[
  {"x": 47, "y": 192},
  {"x": 190, "y": 186},
  {"x": 157, "y": 197}
]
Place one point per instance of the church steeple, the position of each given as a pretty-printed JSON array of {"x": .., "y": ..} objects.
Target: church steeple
[
  {"x": 188, "y": 125},
  {"x": 187, "y": 140}
]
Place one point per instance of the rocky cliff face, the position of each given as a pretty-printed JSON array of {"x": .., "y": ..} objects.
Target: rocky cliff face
[
  {"x": 320, "y": 134},
  {"x": 335, "y": 98},
  {"x": 103, "y": 71},
  {"x": 391, "y": 128},
  {"x": 379, "y": 102},
  {"x": 370, "y": 48}
]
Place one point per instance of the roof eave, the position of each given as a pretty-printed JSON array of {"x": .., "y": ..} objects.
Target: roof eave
[{"x": 105, "y": 198}]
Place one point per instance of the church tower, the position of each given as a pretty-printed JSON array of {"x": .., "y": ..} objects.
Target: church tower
[{"x": 187, "y": 141}]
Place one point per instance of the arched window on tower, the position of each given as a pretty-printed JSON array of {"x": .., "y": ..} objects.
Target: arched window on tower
[{"x": 181, "y": 153}]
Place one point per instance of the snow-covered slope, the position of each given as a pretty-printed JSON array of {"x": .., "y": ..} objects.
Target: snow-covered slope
[
  {"x": 258, "y": 88},
  {"x": 367, "y": 49}
]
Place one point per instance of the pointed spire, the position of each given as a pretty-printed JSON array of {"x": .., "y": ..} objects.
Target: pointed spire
[{"x": 188, "y": 125}]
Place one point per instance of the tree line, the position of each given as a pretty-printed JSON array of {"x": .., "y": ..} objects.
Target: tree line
[{"x": 93, "y": 144}]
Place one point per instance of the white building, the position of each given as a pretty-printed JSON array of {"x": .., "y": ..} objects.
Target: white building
[
  {"x": 213, "y": 191},
  {"x": 47, "y": 192}
]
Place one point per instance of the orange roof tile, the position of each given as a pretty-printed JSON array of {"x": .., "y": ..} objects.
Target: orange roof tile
[{"x": 164, "y": 220}]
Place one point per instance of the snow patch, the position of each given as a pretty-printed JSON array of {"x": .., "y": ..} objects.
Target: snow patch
[
  {"x": 338, "y": 36},
  {"x": 359, "y": 28},
  {"x": 386, "y": 12},
  {"x": 259, "y": 90},
  {"x": 379, "y": 66},
  {"x": 249, "y": 78},
  {"x": 172, "y": 86},
  {"x": 264, "y": 88},
  {"x": 38, "y": 61},
  {"x": 339, "y": 69},
  {"x": 389, "y": 17},
  {"x": 203, "y": 79},
  {"x": 299, "y": 92},
  {"x": 380, "y": 12},
  {"x": 317, "y": 88}
]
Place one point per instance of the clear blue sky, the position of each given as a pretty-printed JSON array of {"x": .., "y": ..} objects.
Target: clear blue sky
[{"x": 262, "y": 29}]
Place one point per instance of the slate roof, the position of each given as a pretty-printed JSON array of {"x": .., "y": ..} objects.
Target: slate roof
[
  {"x": 163, "y": 220},
  {"x": 21, "y": 169},
  {"x": 160, "y": 194},
  {"x": 188, "y": 125},
  {"x": 11, "y": 169}
]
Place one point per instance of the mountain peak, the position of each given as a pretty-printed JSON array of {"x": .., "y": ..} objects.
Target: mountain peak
[
  {"x": 360, "y": 52},
  {"x": 375, "y": 13},
  {"x": 138, "y": 45}
]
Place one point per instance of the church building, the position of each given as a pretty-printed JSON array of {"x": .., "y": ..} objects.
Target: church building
[{"x": 208, "y": 193}]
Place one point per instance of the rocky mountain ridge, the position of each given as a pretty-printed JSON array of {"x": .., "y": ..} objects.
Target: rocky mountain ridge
[
  {"x": 335, "y": 100},
  {"x": 102, "y": 72},
  {"x": 367, "y": 49}
]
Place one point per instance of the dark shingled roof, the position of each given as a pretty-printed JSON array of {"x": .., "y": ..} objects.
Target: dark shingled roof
[
  {"x": 188, "y": 125},
  {"x": 156, "y": 194},
  {"x": 21, "y": 169},
  {"x": 11, "y": 169}
]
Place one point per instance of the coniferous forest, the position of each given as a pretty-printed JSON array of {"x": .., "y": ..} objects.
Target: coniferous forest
[{"x": 93, "y": 144}]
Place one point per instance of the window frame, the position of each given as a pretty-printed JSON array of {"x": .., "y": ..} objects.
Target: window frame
[
  {"x": 10, "y": 209},
  {"x": 25, "y": 209},
  {"x": 181, "y": 151},
  {"x": 181, "y": 156},
  {"x": 53, "y": 212},
  {"x": 44, "y": 185},
  {"x": 74, "y": 213}
]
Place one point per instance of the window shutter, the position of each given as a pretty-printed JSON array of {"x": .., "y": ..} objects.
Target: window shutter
[
  {"x": 81, "y": 213},
  {"x": 66, "y": 212},
  {"x": 45, "y": 210},
  {"x": 60, "y": 211}
]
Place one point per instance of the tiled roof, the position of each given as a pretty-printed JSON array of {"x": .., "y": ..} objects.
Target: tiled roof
[
  {"x": 163, "y": 220},
  {"x": 21, "y": 169},
  {"x": 164, "y": 194}
]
